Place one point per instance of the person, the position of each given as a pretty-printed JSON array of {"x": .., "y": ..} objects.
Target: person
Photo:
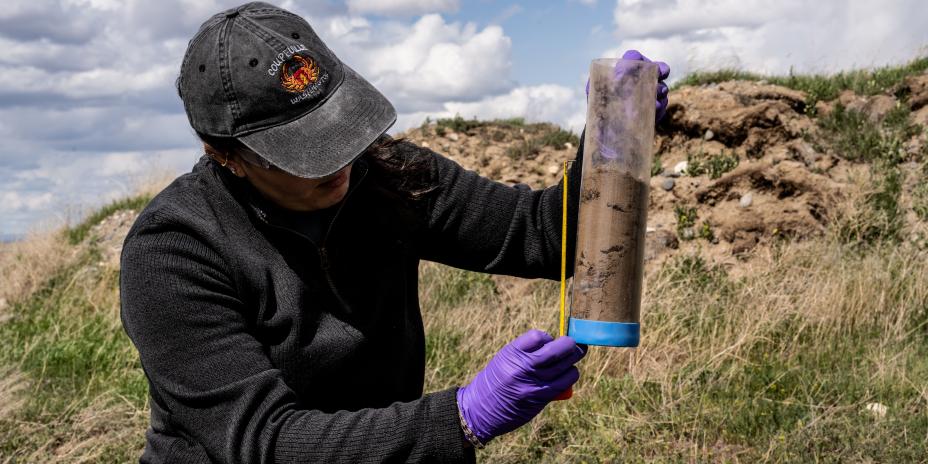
[{"x": 272, "y": 291}]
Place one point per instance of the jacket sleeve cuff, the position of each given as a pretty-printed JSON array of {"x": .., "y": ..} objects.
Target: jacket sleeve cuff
[{"x": 446, "y": 432}]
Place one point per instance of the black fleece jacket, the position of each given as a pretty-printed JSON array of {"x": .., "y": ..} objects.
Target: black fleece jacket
[{"x": 260, "y": 345}]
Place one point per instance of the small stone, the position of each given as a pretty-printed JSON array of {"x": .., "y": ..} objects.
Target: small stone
[
  {"x": 680, "y": 168},
  {"x": 669, "y": 173},
  {"x": 454, "y": 136},
  {"x": 568, "y": 145},
  {"x": 553, "y": 169},
  {"x": 708, "y": 135},
  {"x": 877, "y": 409},
  {"x": 746, "y": 200},
  {"x": 668, "y": 184},
  {"x": 687, "y": 233}
]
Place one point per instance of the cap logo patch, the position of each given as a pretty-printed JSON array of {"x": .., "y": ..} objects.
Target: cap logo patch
[
  {"x": 298, "y": 73},
  {"x": 280, "y": 58}
]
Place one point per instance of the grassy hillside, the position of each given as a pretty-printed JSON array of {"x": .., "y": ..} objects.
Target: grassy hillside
[{"x": 807, "y": 350}]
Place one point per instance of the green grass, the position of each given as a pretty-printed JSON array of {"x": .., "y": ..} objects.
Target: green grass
[
  {"x": 449, "y": 287},
  {"x": 552, "y": 136},
  {"x": 776, "y": 364},
  {"x": 730, "y": 374},
  {"x": 460, "y": 124},
  {"x": 821, "y": 87},
  {"x": 713, "y": 165},
  {"x": 67, "y": 340},
  {"x": 853, "y": 136},
  {"x": 880, "y": 217},
  {"x": 78, "y": 233},
  {"x": 558, "y": 137},
  {"x": 920, "y": 194},
  {"x": 705, "y": 232},
  {"x": 657, "y": 166},
  {"x": 524, "y": 149},
  {"x": 686, "y": 221}
]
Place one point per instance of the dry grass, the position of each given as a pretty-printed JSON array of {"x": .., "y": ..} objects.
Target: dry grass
[
  {"x": 12, "y": 385},
  {"x": 775, "y": 361},
  {"x": 73, "y": 388},
  {"x": 775, "y": 366},
  {"x": 25, "y": 265}
]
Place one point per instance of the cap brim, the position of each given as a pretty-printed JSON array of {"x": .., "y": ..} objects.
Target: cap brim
[{"x": 332, "y": 135}]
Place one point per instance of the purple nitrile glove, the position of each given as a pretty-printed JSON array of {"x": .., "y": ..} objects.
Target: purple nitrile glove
[
  {"x": 663, "y": 71},
  {"x": 518, "y": 382}
]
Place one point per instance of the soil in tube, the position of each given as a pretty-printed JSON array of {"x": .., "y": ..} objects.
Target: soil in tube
[{"x": 608, "y": 272}]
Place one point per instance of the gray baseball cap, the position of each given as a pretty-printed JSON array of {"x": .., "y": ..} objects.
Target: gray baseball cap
[{"x": 261, "y": 74}]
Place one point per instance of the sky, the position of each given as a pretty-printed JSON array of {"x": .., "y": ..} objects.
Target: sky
[{"x": 88, "y": 107}]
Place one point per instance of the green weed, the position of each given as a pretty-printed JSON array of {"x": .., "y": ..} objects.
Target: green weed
[
  {"x": 714, "y": 165},
  {"x": 920, "y": 194},
  {"x": 524, "y": 149},
  {"x": 820, "y": 87},
  {"x": 855, "y": 137},
  {"x": 705, "y": 232},
  {"x": 686, "y": 221},
  {"x": 879, "y": 217},
  {"x": 558, "y": 137},
  {"x": 511, "y": 122},
  {"x": 458, "y": 124},
  {"x": 656, "y": 166}
]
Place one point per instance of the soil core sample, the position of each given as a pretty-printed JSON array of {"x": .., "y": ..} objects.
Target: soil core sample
[
  {"x": 610, "y": 251},
  {"x": 606, "y": 295}
]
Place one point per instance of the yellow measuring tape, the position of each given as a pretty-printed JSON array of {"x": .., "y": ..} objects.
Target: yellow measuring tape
[{"x": 562, "y": 328}]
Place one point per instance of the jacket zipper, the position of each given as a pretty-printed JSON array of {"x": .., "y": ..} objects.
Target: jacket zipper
[{"x": 323, "y": 253}]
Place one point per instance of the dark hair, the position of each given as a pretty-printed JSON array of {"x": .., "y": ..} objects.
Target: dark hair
[
  {"x": 401, "y": 168},
  {"x": 225, "y": 146}
]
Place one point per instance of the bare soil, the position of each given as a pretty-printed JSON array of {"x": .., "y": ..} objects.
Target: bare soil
[{"x": 607, "y": 276}]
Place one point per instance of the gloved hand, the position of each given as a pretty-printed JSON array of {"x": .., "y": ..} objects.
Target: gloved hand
[
  {"x": 518, "y": 382},
  {"x": 663, "y": 71}
]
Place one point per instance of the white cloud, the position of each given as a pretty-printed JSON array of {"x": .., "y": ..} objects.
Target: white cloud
[
  {"x": 541, "y": 103},
  {"x": 422, "y": 65},
  {"x": 645, "y": 18},
  {"x": 11, "y": 201},
  {"x": 401, "y": 7},
  {"x": 63, "y": 185},
  {"x": 772, "y": 37},
  {"x": 87, "y": 98}
]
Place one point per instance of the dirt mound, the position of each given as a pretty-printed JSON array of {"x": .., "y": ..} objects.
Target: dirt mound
[
  {"x": 738, "y": 164},
  {"x": 109, "y": 234},
  {"x": 507, "y": 151},
  {"x": 914, "y": 89},
  {"x": 746, "y": 117}
]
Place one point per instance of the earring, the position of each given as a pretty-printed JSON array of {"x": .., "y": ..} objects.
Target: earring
[
  {"x": 233, "y": 170},
  {"x": 225, "y": 161}
]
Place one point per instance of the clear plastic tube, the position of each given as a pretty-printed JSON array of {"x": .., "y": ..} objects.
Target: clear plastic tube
[{"x": 606, "y": 292}]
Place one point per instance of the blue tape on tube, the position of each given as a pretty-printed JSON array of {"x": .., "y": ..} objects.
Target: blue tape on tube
[{"x": 603, "y": 333}]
